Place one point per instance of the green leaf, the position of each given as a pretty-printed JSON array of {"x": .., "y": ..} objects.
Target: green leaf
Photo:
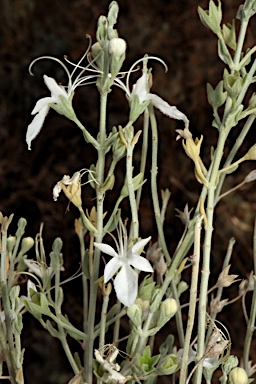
[
  {"x": 166, "y": 346},
  {"x": 108, "y": 183},
  {"x": 168, "y": 365},
  {"x": 233, "y": 117},
  {"x": 53, "y": 332},
  {"x": 85, "y": 264},
  {"x": 211, "y": 18},
  {"x": 38, "y": 305},
  {"x": 146, "y": 363},
  {"x": 216, "y": 97},
  {"x": 246, "y": 10},
  {"x": 233, "y": 83},
  {"x": 229, "y": 35},
  {"x": 114, "y": 223},
  {"x": 137, "y": 183},
  {"x": 224, "y": 54},
  {"x": 146, "y": 288}
]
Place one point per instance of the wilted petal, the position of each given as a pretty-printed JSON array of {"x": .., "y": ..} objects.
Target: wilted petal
[
  {"x": 166, "y": 109},
  {"x": 140, "y": 263},
  {"x": 56, "y": 191},
  {"x": 140, "y": 245},
  {"x": 126, "y": 285},
  {"x": 106, "y": 249},
  {"x": 35, "y": 126},
  {"x": 111, "y": 268},
  {"x": 56, "y": 90}
]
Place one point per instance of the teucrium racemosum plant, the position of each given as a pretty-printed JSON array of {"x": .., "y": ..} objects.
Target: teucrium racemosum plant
[{"x": 132, "y": 285}]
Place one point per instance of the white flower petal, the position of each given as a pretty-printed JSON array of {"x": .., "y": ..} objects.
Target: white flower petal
[
  {"x": 31, "y": 285},
  {"x": 166, "y": 109},
  {"x": 140, "y": 245},
  {"x": 106, "y": 249},
  {"x": 140, "y": 263},
  {"x": 210, "y": 362},
  {"x": 126, "y": 285},
  {"x": 34, "y": 267},
  {"x": 35, "y": 126},
  {"x": 41, "y": 103},
  {"x": 111, "y": 268},
  {"x": 56, "y": 90},
  {"x": 140, "y": 88}
]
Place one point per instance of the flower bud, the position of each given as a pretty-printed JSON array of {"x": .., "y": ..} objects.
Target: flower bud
[
  {"x": 238, "y": 376},
  {"x": 21, "y": 227},
  {"x": 116, "y": 50},
  {"x": 26, "y": 244},
  {"x": 97, "y": 55},
  {"x": 134, "y": 312},
  {"x": 113, "y": 13},
  {"x": 10, "y": 243},
  {"x": 168, "y": 308},
  {"x": 117, "y": 47}
]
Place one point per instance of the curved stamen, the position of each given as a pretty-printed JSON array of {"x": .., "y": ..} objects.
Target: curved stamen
[
  {"x": 54, "y": 59},
  {"x": 84, "y": 55},
  {"x": 138, "y": 61}
]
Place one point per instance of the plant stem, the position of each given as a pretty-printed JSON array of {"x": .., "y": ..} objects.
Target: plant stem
[
  {"x": 144, "y": 151},
  {"x": 88, "y": 137},
  {"x": 9, "y": 346},
  {"x": 207, "y": 252},
  {"x": 134, "y": 211},
  {"x": 103, "y": 320},
  {"x": 251, "y": 323},
  {"x": 192, "y": 300},
  {"x": 240, "y": 42},
  {"x": 88, "y": 356},
  {"x": 155, "y": 199},
  {"x": 233, "y": 152}
]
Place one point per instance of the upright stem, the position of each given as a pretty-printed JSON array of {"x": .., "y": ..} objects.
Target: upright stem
[
  {"x": 6, "y": 334},
  {"x": 88, "y": 363},
  {"x": 234, "y": 150},
  {"x": 251, "y": 323},
  {"x": 192, "y": 300},
  {"x": 154, "y": 170},
  {"x": 134, "y": 211},
  {"x": 207, "y": 252},
  {"x": 62, "y": 333},
  {"x": 144, "y": 151},
  {"x": 240, "y": 42}
]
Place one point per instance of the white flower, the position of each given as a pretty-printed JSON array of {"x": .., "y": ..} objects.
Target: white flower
[
  {"x": 126, "y": 281},
  {"x": 42, "y": 108},
  {"x": 141, "y": 90}
]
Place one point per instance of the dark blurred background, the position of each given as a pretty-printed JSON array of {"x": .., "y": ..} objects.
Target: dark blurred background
[{"x": 168, "y": 29}]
